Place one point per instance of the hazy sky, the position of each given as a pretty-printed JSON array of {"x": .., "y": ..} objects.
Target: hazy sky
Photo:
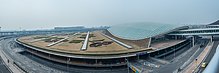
[{"x": 36, "y": 14}]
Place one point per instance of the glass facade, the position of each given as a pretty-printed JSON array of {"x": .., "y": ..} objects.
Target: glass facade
[{"x": 137, "y": 31}]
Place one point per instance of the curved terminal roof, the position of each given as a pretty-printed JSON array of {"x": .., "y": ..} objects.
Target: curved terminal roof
[{"x": 135, "y": 31}]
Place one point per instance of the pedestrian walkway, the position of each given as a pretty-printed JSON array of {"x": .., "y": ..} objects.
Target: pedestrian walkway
[{"x": 196, "y": 62}]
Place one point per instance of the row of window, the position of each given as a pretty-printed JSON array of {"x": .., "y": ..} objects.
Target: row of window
[{"x": 199, "y": 31}]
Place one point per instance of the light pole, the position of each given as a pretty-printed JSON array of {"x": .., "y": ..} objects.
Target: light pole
[
  {"x": 142, "y": 67},
  {"x": 67, "y": 63},
  {"x": 174, "y": 52},
  {"x": 51, "y": 60},
  {"x": 127, "y": 64}
]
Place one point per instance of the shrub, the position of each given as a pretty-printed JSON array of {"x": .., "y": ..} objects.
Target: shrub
[{"x": 76, "y": 41}]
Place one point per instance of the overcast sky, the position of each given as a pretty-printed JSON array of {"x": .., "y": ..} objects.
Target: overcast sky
[{"x": 36, "y": 14}]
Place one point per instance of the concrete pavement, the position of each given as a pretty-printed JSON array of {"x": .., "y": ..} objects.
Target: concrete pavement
[{"x": 179, "y": 60}]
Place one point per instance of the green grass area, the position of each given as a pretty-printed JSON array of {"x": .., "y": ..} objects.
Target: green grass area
[
  {"x": 76, "y": 41},
  {"x": 39, "y": 37},
  {"x": 97, "y": 40},
  {"x": 84, "y": 36}
]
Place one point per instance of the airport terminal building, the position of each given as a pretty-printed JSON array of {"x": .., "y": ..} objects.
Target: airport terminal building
[{"x": 111, "y": 47}]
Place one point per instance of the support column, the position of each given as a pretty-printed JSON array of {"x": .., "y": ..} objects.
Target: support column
[
  {"x": 193, "y": 41},
  {"x": 68, "y": 60},
  {"x": 149, "y": 44},
  {"x": 181, "y": 37},
  {"x": 212, "y": 38},
  {"x": 175, "y": 37},
  {"x": 127, "y": 62}
]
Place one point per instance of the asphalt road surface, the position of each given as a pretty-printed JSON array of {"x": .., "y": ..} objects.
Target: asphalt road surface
[{"x": 182, "y": 57}]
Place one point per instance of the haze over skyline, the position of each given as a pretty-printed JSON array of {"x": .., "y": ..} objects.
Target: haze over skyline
[{"x": 37, "y": 14}]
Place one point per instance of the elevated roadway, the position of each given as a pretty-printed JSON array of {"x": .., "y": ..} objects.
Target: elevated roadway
[
  {"x": 208, "y": 30},
  {"x": 201, "y": 30}
]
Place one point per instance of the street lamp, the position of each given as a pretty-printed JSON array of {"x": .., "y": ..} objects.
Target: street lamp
[
  {"x": 67, "y": 63},
  {"x": 127, "y": 62},
  {"x": 49, "y": 59},
  {"x": 142, "y": 67},
  {"x": 174, "y": 52}
]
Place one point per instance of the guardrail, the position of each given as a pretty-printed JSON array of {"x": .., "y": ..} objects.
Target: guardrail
[
  {"x": 20, "y": 67},
  {"x": 213, "y": 64}
]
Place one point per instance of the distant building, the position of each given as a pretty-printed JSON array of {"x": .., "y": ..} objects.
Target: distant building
[
  {"x": 70, "y": 28},
  {"x": 81, "y": 28},
  {"x": 215, "y": 23}
]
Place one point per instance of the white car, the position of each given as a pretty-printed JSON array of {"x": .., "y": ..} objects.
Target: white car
[{"x": 204, "y": 64}]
